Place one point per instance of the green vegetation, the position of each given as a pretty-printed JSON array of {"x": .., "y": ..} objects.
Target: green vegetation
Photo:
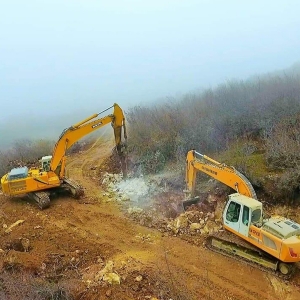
[{"x": 253, "y": 125}]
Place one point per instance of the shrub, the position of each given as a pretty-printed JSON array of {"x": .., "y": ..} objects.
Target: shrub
[
  {"x": 283, "y": 143},
  {"x": 213, "y": 119}
]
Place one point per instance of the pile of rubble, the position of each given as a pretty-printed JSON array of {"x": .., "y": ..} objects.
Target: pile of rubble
[
  {"x": 137, "y": 192},
  {"x": 195, "y": 222},
  {"x": 104, "y": 274}
]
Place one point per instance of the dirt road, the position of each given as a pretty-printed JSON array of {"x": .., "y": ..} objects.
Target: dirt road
[{"x": 88, "y": 249}]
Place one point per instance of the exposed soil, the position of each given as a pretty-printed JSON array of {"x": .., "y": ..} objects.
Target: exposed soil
[{"x": 93, "y": 248}]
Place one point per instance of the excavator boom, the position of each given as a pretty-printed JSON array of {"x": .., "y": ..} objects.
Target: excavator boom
[
  {"x": 196, "y": 161},
  {"x": 74, "y": 133}
]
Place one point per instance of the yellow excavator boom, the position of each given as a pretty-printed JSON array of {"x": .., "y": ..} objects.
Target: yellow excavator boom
[
  {"x": 74, "y": 133},
  {"x": 228, "y": 175}
]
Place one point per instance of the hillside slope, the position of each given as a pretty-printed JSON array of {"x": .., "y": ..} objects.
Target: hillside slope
[{"x": 88, "y": 249}]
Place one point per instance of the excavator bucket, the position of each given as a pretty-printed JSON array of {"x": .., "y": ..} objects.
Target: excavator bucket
[{"x": 187, "y": 203}]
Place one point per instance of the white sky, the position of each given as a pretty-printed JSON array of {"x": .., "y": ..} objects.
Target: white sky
[{"x": 65, "y": 56}]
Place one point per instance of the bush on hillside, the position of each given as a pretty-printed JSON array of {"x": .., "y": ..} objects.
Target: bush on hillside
[
  {"x": 212, "y": 120},
  {"x": 283, "y": 143},
  {"x": 263, "y": 111}
]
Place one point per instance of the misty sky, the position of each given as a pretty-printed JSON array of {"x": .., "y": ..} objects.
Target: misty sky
[{"x": 77, "y": 57}]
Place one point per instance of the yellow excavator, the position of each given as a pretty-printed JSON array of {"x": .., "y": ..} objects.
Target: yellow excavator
[
  {"x": 40, "y": 183},
  {"x": 270, "y": 244}
]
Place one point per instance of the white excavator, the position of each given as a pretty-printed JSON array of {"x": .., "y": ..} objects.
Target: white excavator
[{"x": 271, "y": 244}]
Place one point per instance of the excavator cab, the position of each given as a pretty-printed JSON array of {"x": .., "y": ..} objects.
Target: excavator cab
[
  {"x": 241, "y": 212},
  {"x": 45, "y": 163}
]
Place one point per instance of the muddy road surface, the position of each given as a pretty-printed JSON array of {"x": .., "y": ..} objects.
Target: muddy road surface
[{"x": 90, "y": 249}]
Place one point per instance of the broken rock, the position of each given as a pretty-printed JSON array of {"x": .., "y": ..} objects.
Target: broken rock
[
  {"x": 195, "y": 226},
  {"x": 9, "y": 229},
  {"x": 112, "y": 278},
  {"x": 139, "y": 278},
  {"x": 181, "y": 221}
]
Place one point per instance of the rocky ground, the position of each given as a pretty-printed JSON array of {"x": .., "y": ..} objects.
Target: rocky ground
[{"x": 123, "y": 240}]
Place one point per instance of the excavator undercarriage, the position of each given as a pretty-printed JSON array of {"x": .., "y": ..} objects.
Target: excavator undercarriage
[
  {"x": 41, "y": 198},
  {"x": 229, "y": 245},
  {"x": 73, "y": 187},
  {"x": 68, "y": 186}
]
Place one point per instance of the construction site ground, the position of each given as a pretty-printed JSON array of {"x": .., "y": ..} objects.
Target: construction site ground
[{"x": 92, "y": 249}]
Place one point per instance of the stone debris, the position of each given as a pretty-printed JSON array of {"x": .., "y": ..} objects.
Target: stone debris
[
  {"x": 195, "y": 226},
  {"x": 26, "y": 244},
  {"x": 107, "y": 274},
  {"x": 111, "y": 278},
  {"x": 191, "y": 222},
  {"x": 132, "y": 189},
  {"x": 9, "y": 229},
  {"x": 201, "y": 220},
  {"x": 144, "y": 238},
  {"x": 134, "y": 210},
  {"x": 139, "y": 278}
]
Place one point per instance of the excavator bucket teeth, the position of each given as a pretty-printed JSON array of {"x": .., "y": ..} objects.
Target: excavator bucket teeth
[{"x": 187, "y": 203}]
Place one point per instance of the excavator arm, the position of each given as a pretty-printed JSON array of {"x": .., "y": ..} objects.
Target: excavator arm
[
  {"x": 228, "y": 175},
  {"x": 74, "y": 133}
]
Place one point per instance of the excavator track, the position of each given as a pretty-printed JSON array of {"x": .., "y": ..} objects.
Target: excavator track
[
  {"x": 41, "y": 198},
  {"x": 75, "y": 188},
  {"x": 232, "y": 246}
]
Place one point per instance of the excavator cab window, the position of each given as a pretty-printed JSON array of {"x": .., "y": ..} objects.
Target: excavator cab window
[
  {"x": 245, "y": 215},
  {"x": 256, "y": 216},
  {"x": 46, "y": 166},
  {"x": 233, "y": 212}
]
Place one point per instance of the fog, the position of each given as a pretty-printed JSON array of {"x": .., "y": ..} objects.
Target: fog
[{"x": 62, "y": 61}]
